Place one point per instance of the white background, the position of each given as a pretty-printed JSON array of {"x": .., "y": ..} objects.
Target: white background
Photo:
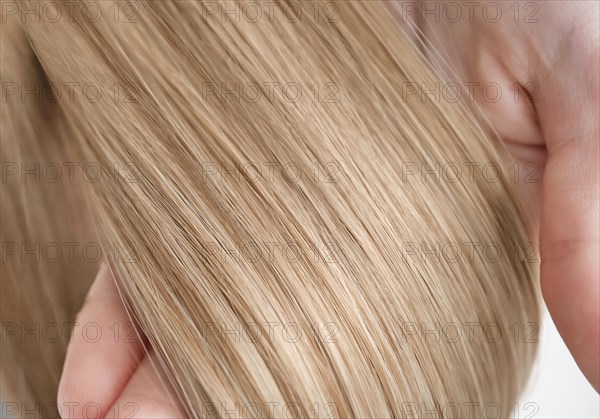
[{"x": 557, "y": 387}]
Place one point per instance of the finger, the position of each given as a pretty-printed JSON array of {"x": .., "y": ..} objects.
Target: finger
[
  {"x": 147, "y": 395},
  {"x": 103, "y": 353},
  {"x": 569, "y": 246}
]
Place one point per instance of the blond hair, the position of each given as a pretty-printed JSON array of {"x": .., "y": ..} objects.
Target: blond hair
[{"x": 346, "y": 206}]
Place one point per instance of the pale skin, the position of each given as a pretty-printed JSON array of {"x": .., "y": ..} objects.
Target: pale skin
[{"x": 558, "y": 57}]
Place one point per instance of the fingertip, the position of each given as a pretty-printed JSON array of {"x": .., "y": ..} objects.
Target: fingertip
[
  {"x": 148, "y": 394},
  {"x": 103, "y": 352}
]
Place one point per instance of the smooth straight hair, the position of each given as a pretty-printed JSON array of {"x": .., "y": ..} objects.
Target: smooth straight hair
[{"x": 288, "y": 222}]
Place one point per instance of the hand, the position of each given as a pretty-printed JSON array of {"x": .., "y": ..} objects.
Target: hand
[
  {"x": 557, "y": 58},
  {"x": 551, "y": 50},
  {"x": 108, "y": 372}
]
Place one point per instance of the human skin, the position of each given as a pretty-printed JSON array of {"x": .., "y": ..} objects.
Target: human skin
[
  {"x": 555, "y": 51},
  {"x": 117, "y": 374},
  {"x": 551, "y": 47}
]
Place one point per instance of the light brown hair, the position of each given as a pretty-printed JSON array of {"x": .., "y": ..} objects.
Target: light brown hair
[{"x": 352, "y": 225}]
